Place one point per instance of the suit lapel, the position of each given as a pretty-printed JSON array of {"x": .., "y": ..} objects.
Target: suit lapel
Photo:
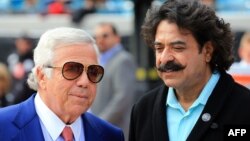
[
  {"x": 91, "y": 130},
  {"x": 213, "y": 107},
  {"x": 28, "y": 122},
  {"x": 159, "y": 116}
]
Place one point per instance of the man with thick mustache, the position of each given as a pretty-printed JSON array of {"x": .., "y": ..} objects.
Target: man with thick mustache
[{"x": 198, "y": 99}]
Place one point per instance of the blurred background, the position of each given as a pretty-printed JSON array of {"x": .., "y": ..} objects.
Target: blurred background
[{"x": 28, "y": 19}]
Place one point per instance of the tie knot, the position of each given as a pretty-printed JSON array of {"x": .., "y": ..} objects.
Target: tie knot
[{"x": 67, "y": 134}]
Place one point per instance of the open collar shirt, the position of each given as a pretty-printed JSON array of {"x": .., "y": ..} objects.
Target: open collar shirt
[{"x": 180, "y": 122}]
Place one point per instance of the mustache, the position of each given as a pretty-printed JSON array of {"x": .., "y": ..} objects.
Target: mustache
[{"x": 170, "y": 66}]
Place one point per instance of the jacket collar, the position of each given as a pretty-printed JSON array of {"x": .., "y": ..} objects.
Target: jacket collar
[
  {"x": 92, "y": 128},
  {"x": 159, "y": 115},
  {"x": 213, "y": 107},
  {"x": 92, "y": 132},
  {"x": 217, "y": 99},
  {"x": 27, "y": 121}
]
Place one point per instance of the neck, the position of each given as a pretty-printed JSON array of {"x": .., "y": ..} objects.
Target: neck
[
  {"x": 187, "y": 98},
  {"x": 187, "y": 95}
]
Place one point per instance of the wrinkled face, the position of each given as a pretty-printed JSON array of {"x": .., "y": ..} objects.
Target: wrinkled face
[
  {"x": 105, "y": 38},
  {"x": 180, "y": 63},
  {"x": 69, "y": 98}
]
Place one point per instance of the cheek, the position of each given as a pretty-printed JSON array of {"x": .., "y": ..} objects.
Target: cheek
[
  {"x": 196, "y": 65},
  {"x": 157, "y": 60},
  {"x": 61, "y": 92},
  {"x": 93, "y": 92},
  {"x": 60, "y": 88}
]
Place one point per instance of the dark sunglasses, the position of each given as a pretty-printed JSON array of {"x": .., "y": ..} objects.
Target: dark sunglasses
[{"x": 72, "y": 70}]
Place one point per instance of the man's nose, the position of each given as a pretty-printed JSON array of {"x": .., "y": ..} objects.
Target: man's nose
[
  {"x": 83, "y": 80},
  {"x": 166, "y": 55}
]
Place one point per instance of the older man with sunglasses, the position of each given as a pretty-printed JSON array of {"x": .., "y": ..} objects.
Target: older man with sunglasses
[{"x": 65, "y": 75}]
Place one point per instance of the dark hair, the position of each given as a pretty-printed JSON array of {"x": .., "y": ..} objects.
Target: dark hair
[
  {"x": 201, "y": 21},
  {"x": 112, "y": 26}
]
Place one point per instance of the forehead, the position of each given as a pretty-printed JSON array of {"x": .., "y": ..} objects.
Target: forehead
[
  {"x": 103, "y": 28},
  {"x": 82, "y": 53},
  {"x": 167, "y": 31}
]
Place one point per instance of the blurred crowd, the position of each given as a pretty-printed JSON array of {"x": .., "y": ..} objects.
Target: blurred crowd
[
  {"x": 63, "y": 6},
  {"x": 76, "y": 8},
  {"x": 14, "y": 74},
  {"x": 102, "y": 6}
]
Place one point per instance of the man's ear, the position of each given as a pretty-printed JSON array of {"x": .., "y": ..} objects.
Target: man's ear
[
  {"x": 208, "y": 51},
  {"x": 41, "y": 78}
]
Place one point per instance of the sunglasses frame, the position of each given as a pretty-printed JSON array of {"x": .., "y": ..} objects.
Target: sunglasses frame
[{"x": 84, "y": 68}]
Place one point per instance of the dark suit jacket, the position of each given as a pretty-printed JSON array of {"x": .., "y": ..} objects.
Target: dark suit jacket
[
  {"x": 21, "y": 123},
  {"x": 228, "y": 104}
]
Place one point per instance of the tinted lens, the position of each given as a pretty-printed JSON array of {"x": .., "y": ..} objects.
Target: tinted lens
[
  {"x": 95, "y": 73},
  {"x": 72, "y": 70}
]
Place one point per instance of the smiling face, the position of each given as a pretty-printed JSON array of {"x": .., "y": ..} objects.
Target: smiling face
[
  {"x": 179, "y": 61},
  {"x": 68, "y": 99}
]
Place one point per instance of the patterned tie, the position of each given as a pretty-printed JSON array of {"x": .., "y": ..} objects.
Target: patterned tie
[{"x": 67, "y": 134}]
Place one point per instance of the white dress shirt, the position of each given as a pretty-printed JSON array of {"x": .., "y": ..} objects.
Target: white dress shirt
[{"x": 52, "y": 125}]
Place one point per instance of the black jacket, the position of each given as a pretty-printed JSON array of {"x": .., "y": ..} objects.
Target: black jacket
[{"x": 228, "y": 104}]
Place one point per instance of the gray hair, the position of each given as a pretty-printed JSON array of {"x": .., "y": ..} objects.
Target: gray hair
[{"x": 55, "y": 38}]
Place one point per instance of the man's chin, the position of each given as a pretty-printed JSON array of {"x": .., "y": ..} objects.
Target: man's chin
[{"x": 171, "y": 82}]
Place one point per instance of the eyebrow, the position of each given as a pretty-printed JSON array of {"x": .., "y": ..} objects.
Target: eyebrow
[
  {"x": 177, "y": 43},
  {"x": 171, "y": 44},
  {"x": 157, "y": 43}
]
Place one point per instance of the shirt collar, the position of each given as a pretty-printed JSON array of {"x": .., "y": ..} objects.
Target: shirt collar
[
  {"x": 50, "y": 120},
  {"x": 106, "y": 56},
  {"x": 203, "y": 97}
]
